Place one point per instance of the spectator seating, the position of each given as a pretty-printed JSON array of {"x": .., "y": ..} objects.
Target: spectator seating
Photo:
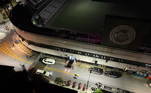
[{"x": 51, "y": 9}]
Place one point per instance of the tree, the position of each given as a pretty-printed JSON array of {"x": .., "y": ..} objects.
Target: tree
[
  {"x": 4, "y": 5},
  {"x": 98, "y": 91}
]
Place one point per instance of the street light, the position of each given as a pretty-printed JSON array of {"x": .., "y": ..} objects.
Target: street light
[{"x": 87, "y": 85}]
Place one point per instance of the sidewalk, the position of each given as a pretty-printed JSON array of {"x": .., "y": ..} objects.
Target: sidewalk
[{"x": 46, "y": 45}]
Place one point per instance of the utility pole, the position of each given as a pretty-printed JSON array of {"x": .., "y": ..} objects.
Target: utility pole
[{"x": 87, "y": 86}]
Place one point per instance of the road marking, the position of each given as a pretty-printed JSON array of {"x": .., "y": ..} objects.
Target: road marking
[
  {"x": 4, "y": 48},
  {"x": 9, "y": 53},
  {"x": 58, "y": 70}
]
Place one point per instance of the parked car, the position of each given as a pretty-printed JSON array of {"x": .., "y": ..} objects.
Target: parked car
[
  {"x": 140, "y": 74},
  {"x": 43, "y": 72},
  {"x": 47, "y": 60},
  {"x": 99, "y": 85},
  {"x": 113, "y": 74},
  {"x": 96, "y": 70}
]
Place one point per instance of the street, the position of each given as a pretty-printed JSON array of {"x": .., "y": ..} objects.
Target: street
[
  {"x": 126, "y": 82},
  {"x": 107, "y": 36},
  {"x": 14, "y": 56}
]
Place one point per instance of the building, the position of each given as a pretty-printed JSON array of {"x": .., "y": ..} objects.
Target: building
[{"x": 123, "y": 43}]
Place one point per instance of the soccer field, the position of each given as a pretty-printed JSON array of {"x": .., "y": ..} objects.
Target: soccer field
[
  {"x": 97, "y": 18},
  {"x": 79, "y": 15}
]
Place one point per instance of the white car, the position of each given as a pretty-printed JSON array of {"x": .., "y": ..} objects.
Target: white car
[
  {"x": 47, "y": 61},
  {"x": 46, "y": 73}
]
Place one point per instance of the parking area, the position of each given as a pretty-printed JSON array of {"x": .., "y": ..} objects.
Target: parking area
[{"x": 80, "y": 76}]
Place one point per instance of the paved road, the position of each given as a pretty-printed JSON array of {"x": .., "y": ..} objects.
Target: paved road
[
  {"x": 9, "y": 57},
  {"x": 126, "y": 82},
  {"x": 12, "y": 56}
]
